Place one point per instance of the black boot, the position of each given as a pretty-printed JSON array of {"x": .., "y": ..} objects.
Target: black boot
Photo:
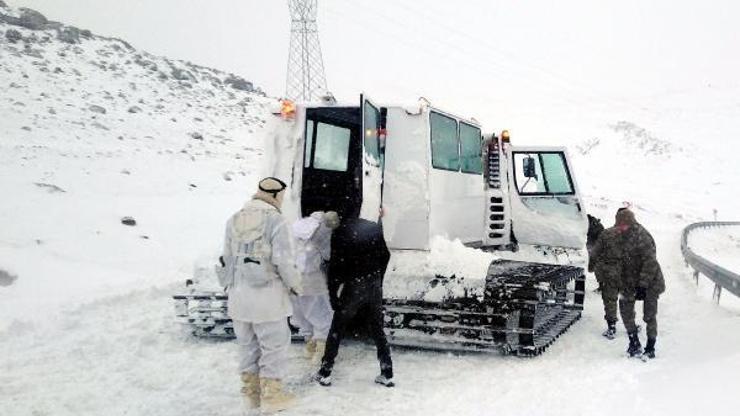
[
  {"x": 611, "y": 330},
  {"x": 323, "y": 376},
  {"x": 635, "y": 348},
  {"x": 650, "y": 348}
]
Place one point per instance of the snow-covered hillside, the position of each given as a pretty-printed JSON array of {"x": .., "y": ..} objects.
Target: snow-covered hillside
[
  {"x": 93, "y": 130},
  {"x": 626, "y": 162}
]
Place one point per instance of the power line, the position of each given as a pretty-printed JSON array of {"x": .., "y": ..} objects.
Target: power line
[
  {"x": 482, "y": 64},
  {"x": 587, "y": 97},
  {"x": 585, "y": 91}
]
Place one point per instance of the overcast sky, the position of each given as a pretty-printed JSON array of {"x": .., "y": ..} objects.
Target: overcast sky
[{"x": 503, "y": 62}]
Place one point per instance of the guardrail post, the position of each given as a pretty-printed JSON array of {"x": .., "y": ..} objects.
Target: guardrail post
[{"x": 717, "y": 292}]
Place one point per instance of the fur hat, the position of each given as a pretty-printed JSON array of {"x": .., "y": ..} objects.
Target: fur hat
[
  {"x": 271, "y": 190},
  {"x": 331, "y": 219}
]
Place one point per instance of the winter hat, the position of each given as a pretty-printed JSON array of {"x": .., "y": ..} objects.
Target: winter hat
[
  {"x": 271, "y": 191},
  {"x": 331, "y": 219},
  {"x": 624, "y": 217}
]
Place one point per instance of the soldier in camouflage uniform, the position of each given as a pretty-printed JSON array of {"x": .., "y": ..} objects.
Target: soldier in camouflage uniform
[
  {"x": 642, "y": 280},
  {"x": 605, "y": 260}
]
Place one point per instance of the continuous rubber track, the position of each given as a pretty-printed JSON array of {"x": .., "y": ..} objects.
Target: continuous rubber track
[{"x": 524, "y": 309}]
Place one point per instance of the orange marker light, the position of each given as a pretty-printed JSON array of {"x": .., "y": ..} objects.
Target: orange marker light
[
  {"x": 505, "y": 136},
  {"x": 287, "y": 109}
]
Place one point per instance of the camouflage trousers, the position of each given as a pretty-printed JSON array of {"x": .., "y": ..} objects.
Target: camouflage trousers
[
  {"x": 649, "y": 313},
  {"x": 610, "y": 296}
]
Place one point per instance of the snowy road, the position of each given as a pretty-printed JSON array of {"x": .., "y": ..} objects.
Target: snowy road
[{"x": 123, "y": 355}]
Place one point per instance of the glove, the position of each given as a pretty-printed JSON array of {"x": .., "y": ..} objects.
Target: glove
[{"x": 640, "y": 293}]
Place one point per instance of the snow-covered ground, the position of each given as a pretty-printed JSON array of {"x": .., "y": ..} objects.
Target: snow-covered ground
[
  {"x": 122, "y": 355},
  {"x": 86, "y": 328},
  {"x": 95, "y": 131}
]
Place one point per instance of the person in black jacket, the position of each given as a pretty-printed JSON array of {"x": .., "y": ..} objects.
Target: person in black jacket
[
  {"x": 595, "y": 228},
  {"x": 359, "y": 258}
]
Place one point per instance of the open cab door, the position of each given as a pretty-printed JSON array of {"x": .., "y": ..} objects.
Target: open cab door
[
  {"x": 372, "y": 160},
  {"x": 546, "y": 207}
]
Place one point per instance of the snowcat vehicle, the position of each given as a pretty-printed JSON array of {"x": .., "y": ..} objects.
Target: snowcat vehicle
[{"x": 435, "y": 176}]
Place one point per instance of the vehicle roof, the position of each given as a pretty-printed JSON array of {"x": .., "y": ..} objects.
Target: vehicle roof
[{"x": 412, "y": 108}]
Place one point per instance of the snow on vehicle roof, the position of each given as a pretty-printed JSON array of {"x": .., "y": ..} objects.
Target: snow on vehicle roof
[{"x": 411, "y": 108}]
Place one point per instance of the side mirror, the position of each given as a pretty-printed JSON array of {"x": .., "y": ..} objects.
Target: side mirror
[{"x": 529, "y": 167}]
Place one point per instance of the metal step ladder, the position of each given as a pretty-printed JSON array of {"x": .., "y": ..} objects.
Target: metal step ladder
[{"x": 497, "y": 223}]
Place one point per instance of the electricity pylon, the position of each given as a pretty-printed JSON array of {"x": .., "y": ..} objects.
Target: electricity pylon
[{"x": 306, "y": 80}]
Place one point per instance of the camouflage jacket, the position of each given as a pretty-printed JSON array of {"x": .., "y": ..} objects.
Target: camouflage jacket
[
  {"x": 605, "y": 257},
  {"x": 641, "y": 268}
]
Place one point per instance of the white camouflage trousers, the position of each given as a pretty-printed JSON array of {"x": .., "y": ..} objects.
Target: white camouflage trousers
[
  {"x": 263, "y": 347},
  {"x": 313, "y": 315}
]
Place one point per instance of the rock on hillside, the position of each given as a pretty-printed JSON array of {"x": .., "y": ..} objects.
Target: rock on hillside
[{"x": 631, "y": 136}]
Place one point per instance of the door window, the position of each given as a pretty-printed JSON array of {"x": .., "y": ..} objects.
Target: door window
[
  {"x": 470, "y": 149},
  {"x": 542, "y": 173},
  {"x": 309, "y": 143},
  {"x": 371, "y": 123},
  {"x": 332, "y": 147},
  {"x": 556, "y": 173},
  {"x": 445, "y": 145}
]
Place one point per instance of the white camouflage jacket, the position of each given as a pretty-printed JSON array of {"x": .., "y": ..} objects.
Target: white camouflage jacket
[
  {"x": 313, "y": 246},
  {"x": 260, "y": 267}
]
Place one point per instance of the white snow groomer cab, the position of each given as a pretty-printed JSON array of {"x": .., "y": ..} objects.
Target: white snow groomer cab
[{"x": 435, "y": 178}]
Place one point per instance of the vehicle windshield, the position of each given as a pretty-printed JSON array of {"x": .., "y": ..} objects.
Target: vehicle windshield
[{"x": 542, "y": 173}]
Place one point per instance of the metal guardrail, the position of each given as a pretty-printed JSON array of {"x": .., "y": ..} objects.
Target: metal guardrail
[{"x": 722, "y": 278}]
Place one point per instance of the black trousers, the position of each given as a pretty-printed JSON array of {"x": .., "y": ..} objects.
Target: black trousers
[{"x": 356, "y": 297}]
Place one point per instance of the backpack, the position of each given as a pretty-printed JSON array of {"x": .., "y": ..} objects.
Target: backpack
[{"x": 251, "y": 252}]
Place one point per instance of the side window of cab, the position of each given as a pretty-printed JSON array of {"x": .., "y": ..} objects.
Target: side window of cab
[{"x": 445, "y": 143}]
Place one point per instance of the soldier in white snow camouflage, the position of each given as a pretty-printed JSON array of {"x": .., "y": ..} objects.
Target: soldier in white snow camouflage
[
  {"x": 259, "y": 273},
  {"x": 312, "y": 310}
]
